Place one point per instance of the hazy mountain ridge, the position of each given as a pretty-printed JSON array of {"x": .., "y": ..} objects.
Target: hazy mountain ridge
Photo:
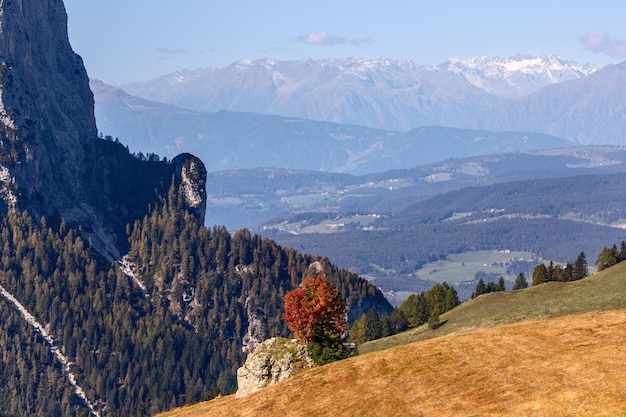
[
  {"x": 590, "y": 110},
  {"x": 254, "y": 197},
  {"x": 396, "y": 95},
  {"x": 228, "y": 140}
]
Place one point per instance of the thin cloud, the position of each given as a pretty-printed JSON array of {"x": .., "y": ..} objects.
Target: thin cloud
[
  {"x": 601, "y": 42},
  {"x": 326, "y": 39},
  {"x": 167, "y": 51},
  {"x": 363, "y": 41}
]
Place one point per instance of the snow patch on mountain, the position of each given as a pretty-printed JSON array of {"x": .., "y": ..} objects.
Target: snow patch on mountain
[
  {"x": 382, "y": 93},
  {"x": 518, "y": 75}
]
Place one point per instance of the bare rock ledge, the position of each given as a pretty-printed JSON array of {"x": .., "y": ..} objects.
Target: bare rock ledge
[{"x": 274, "y": 360}]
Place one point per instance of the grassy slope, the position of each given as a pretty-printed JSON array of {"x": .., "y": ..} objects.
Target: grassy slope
[
  {"x": 561, "y": 356},
  {"x": 605, "y": 290}
]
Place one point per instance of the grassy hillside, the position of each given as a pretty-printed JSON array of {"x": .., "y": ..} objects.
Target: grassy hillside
[
  {"x": 604, "y": 290},
  {"x": 552, "y": 350}
]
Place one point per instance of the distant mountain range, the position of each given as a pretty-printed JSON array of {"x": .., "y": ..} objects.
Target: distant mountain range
[
  {"x": 232, "y": 140},
  {"x": 264, "y": 198},
  {"x": 577, "y": 102}
]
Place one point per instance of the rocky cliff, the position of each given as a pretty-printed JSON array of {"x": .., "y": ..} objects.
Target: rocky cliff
[{"x": 51, "y": 161}]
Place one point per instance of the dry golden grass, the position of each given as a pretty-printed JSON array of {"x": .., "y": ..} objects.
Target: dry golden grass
[
  {"x": 568, "y": 366},
  {"x": 603, "y": 291}
]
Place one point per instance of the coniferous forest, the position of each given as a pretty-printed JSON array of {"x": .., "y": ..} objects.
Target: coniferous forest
[{"x": 168, "y": 328}]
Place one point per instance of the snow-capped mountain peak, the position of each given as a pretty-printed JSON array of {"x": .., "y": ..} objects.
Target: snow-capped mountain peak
[
  {"x": 518, "y": 75},
  {"x": 382, "y": 92}
]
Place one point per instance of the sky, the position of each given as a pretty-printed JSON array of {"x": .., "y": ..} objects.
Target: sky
[{"x": 136, "y": 40}]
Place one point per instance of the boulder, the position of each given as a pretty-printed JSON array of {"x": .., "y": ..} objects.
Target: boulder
[{"x": 274, "y": 360}]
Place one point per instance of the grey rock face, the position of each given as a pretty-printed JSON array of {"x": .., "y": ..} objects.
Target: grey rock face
[
  {"x": 193, "y": 179},
  {"x": 272, "y": 361},
  {"x": 46, "y": 106},
  {"x": 51, "y": 161}
]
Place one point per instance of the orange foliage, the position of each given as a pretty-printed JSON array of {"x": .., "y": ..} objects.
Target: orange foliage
[{"x": 315, "y": 310}]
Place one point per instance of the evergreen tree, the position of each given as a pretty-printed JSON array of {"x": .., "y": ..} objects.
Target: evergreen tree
[
  {"x": 501, "y": 284},
  {"x": 549, "y": 272},
  {"x": 358, "y": 333},
  {"x": 385, "y": 327},
  {"x": 433, "y": 319},
  {"x": 557, "y": 273},
  {"x": 580, "y": 267},
  {"x": 398, "y": 321},
  {"x": 415, "y": 309},
  {"x": 622, "y": 252},
  {"x": 607, "y": 258},
  {"x": 520, "y": 282},
  {"x": 481, "y": 288},
  {"x": 568, "y": 272},
  {"x": 418, "y": 308},
  {"x": 540, "y": 274},
  {"x": 451, "y": 300},
  {"x": 373, "y": 328}
]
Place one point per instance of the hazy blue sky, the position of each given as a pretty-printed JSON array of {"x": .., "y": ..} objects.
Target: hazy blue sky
[{"x": 128, "y": 40}]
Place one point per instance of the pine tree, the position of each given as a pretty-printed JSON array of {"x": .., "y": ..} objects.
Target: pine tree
[
  {"x": 568, "y": 272},
  {"x": 557, "y": 274},
  {"x": 481, "y": 288},
  {"x": 358, "y": 333},
  {"x": 549, "y": 272},
  {"x": 415, "y": 309},
  {"x": 520, "y": 282},
  {"x": 451, "y": 300},
  {"x": 373, "y": 327},
  {"x": 622, "y": 252},
  {"x": 540, "y": 274},
  {"x": 433, "y": 319},
  {"x": 398, "y": 321},
  {"x": 501, "y": 284}
]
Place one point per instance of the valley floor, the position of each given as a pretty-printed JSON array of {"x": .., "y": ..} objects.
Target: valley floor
[{"x": 567, "y": 366}]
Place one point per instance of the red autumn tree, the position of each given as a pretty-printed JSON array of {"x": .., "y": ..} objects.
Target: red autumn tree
[{"x": 315, "y": 311}]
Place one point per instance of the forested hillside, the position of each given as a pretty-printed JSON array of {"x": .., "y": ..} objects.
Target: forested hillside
[
  {"x": 170, "y": 331},
  {"x": 591, "y": 198},
  {"x": 553, "y": 218}
]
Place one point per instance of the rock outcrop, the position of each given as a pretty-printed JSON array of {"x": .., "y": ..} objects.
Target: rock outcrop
[
  {"x": 46, "y": 107},
  {"x": 51, "y": 160},
  {"x": 274, "y": 360}
]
